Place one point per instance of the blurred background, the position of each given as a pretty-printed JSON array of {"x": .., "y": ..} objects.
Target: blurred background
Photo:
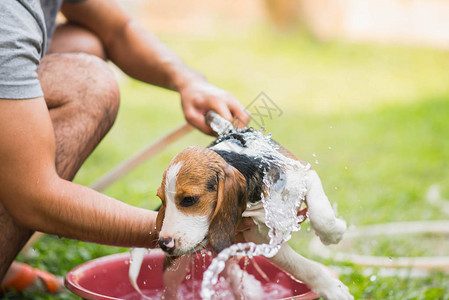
[{"x": 361, "y": 90}]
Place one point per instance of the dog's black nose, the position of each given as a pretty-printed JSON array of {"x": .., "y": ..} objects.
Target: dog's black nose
[{"x": 167, "y": 244}]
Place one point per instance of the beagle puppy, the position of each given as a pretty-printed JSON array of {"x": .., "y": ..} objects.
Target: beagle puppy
[{"x": 205, "y": 193}]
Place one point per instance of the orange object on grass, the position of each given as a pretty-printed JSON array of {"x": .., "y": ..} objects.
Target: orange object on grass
[{"x": 26, "y": 276}]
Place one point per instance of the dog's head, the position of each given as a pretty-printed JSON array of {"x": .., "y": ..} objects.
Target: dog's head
[{"x": 203, "y": 198}]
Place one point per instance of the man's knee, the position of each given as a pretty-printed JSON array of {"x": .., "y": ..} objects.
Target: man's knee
[{"x": 81, "y": 80}]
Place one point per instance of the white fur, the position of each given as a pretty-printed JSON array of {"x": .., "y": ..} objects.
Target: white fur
[
  {"x": 170, "y": 181},
  {"x": 187, "y": 231},
  {"x": 322, "y": 217}
]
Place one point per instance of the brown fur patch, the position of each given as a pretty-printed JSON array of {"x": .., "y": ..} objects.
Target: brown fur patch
[
  {"x": 198, "y": 166},
  {"x": 231, "y": 203}
]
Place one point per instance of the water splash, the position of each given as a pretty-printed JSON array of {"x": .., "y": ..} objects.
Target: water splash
[
  {"x": 285, "y": 180},
  {"x": 135, "y": 263},
  {"x": 210, "y": 276}
]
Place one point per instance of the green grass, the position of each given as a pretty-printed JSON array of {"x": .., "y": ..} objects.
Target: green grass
[
  {"x": 430, "y": 244},
  {"x": 375, "y": 118}
]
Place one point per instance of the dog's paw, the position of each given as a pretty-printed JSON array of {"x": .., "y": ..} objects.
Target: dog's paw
[
  {"x": 341, "y": 292},
  {"x": 334, "y": 289},
  {"x": 330, "y": 232}
]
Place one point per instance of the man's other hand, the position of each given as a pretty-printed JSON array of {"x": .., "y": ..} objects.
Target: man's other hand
[{"x": 200, "y": 97}]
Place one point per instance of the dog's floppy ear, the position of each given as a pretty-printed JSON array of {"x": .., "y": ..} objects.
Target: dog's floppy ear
[
  {"x": 160, "y": 218},
  {"x": 161, "y": 213},
  {"x": 231, "y": 202}
]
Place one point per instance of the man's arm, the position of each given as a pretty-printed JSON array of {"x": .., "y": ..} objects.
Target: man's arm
[
  {"x": 143, "y": 56},
  {"x": 37, "y": 198}
]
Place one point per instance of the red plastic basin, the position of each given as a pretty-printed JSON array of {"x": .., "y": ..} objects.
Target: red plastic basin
[{"x": 107, "y": 278}]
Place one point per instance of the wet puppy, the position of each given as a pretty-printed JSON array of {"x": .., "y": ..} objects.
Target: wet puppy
[{"x": 205, "y": 192}]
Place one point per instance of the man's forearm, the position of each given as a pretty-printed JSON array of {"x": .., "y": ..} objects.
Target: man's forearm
[
  {"x": 78, "y": 212},
  {"x": 70, "y": 210},
  {"x": 35, "y": 197},
  {"x": 143, "y": 56}
]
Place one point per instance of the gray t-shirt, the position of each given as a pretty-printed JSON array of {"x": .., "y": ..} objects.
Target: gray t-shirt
[{"x": 26, "y": 27}]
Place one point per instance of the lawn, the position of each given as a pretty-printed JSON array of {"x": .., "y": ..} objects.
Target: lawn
[{"x": 372, "y": 120}]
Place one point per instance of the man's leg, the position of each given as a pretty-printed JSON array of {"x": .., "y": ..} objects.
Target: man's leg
[
  {"x": 12, "y": 239},
  {"x": 72, "y": 38},
  {"x": 82, "y": 96}
]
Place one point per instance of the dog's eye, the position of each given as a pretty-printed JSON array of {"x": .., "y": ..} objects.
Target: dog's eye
[{"x": 188, "y": 201}]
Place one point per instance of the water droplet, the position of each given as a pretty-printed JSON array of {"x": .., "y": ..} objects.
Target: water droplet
[
  {"x": 246, "y": 263},
  {"x": 314, "y": 154},
  {"x": 346, "y": 167},
  {"x": 144, "y": 282},
  {"x": 188, "y": 276},
  {"x": 330, "y": 148},
  {"x": 149, "y": 267},
  {"x": 331, "y": 127},
  {"x": 336, "y": 187},
  {"x": 373, "y": 278},
  {"x": 317, "y": 162}
]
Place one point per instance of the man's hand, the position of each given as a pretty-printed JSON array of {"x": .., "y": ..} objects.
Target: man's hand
[
  {"x": 245, "y": 224},
  {"x": 302, "y": 215},
  {"x": 200, "y": 97}
]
